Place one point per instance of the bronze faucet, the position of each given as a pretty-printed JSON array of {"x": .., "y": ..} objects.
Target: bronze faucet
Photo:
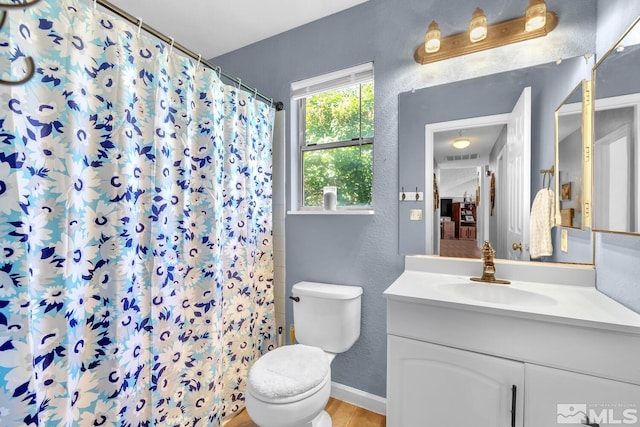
[{"x": 489, "y": 267}]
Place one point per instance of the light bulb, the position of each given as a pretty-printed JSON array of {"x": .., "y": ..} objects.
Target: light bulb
[
  {"x": 478, "y": 26},
  {"x": 536, "y": 15},
  {"x": 432, "y": 38},
  {"x": 461, "y": 143}
]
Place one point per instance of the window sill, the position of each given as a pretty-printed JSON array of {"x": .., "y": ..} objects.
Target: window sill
[{"x": 336, "y": 212}]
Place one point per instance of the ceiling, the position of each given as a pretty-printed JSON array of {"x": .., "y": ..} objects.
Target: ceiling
[
  {"x": 482, "y": 139},
  {"x": 213, "y": 27}
]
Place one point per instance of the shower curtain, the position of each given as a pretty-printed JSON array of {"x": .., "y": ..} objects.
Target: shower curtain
[{"x": 135, "y": 228}]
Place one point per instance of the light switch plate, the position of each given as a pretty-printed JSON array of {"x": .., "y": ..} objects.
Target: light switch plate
[{"x": 415, "y": 214}]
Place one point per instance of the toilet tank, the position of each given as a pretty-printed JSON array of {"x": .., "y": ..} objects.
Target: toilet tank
[{"x": 327, "y": 316}]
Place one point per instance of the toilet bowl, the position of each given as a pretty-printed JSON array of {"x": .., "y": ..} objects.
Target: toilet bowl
[{"x": 290, "y": 386}]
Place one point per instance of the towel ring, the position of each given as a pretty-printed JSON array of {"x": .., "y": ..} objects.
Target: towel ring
[{"x": 544, "y": 178}]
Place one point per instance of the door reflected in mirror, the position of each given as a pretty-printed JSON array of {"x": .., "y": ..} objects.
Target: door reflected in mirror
[{"x": 616, "y": 126}]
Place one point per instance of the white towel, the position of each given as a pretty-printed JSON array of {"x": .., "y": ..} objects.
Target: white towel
[{"x": 541, "y": 221}]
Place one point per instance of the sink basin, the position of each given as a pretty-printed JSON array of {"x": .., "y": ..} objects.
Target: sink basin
[{"x": 495, "y": 294}]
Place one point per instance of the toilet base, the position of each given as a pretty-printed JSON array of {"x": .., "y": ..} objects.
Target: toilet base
[{"x": 322, "y": 420}]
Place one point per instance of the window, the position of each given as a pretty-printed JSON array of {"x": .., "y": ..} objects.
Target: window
[{"x": 335, "y": 136}]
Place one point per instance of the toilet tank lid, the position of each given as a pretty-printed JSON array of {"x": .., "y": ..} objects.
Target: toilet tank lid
[{"x": 325, "y": 290}]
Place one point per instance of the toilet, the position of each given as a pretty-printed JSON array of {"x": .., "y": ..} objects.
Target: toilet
[{"x": 290, "y": 386}]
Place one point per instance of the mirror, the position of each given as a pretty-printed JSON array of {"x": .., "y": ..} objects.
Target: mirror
[
  {"x": 430, "y": 113},
  {"x": 572, "y": 169},
  {"x": 616, "y": 126}
]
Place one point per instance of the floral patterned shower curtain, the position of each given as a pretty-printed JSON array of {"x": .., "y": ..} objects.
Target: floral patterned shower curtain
[{"x": 135, "y": 228}]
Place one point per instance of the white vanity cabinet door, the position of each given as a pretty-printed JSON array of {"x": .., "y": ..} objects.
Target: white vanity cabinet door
[
  {"x": 436, "y": 386},
  {"x": 555, "y": 397}
]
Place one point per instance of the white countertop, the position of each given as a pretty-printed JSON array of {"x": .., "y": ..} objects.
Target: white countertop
[{"x": 580, "y": 305}]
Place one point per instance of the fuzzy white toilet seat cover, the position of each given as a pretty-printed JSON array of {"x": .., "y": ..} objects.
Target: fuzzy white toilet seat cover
[{"x": 288, "y": 371}]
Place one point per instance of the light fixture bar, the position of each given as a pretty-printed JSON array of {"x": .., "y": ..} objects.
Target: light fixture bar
[{"x": 500, "y": 34}]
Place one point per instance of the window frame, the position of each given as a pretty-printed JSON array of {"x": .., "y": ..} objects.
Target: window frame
[{"x": 300, "y": 105}]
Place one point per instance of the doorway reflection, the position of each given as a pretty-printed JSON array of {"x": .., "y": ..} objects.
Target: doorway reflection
[
  {"x": 458, "y": 215},
  {"x": 464, "y": 181}
]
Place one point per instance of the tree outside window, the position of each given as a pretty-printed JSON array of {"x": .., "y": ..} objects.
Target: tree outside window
[{"x": 337, "y": 148}]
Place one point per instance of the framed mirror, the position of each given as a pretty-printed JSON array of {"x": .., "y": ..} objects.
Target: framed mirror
[
  {"x": 573, "y": 163},
  {"x": 616, "y": 127},
  {"x": 443, "y": 112}
]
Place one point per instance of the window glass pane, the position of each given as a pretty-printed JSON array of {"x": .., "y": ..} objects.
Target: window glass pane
[
  {"x": 367, "y": 110},
  {"x": 335, "y": 115},
  {"x": 350, "y": 169}
]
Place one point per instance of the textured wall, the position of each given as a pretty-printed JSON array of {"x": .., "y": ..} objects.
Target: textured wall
[
  {"x": 618, "y": 268},
  {"x": 614, "y": 16},
  {"x": 617, "y": 255},
  {"x": 364, "y": 250}
]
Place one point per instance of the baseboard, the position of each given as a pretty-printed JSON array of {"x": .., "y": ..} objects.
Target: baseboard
[{"x": 360, "y": 398}]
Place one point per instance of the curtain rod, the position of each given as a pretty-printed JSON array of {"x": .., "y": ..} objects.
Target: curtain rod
[{"x": 168, "y": 40}]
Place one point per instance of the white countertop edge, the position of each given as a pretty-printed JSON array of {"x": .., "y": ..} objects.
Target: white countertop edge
[
  {"x": 497, "y": 310},
  {"x": 576, "y": 305}
]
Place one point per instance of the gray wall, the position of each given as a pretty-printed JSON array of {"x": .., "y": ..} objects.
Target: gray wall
[
  {"x": 617, "y": 255},
  {"x": 364, "y": 250}
]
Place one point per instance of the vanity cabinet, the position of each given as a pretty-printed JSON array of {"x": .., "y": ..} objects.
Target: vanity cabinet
[
  {"x": 456, "y": 348},
  {"x": 433, "y": 385}
]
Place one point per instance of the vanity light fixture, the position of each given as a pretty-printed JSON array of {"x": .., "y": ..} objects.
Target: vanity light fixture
[
  {"x": 432, "y": 38},
  {"x": 536, "y": 22},
  {"x": 478, "y": 26}
]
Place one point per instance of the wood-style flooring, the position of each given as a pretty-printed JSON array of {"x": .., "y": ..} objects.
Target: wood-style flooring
[
  {"x": 460, "y": 249},
  {"x": 342, "y": 415}
]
